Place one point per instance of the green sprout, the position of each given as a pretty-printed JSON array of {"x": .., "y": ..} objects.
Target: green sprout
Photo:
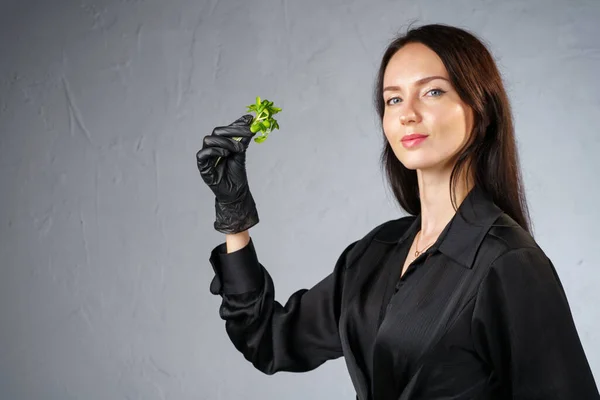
[{"x": 263, "y": 122}]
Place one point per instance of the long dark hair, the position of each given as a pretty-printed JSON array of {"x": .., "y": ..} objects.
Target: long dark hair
[{"x": 492, "y": 150}]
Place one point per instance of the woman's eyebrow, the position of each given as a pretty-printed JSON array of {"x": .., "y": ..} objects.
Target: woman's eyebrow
[{"x": 419, "y": 82}]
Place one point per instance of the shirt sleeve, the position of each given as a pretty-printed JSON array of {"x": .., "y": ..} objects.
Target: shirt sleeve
[
  {"x": 298, "y": 336},
  {"x": 524, "y": 330}
]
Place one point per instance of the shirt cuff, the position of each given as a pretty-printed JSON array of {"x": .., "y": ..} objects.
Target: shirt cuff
[{"x": 237, "y": 272}]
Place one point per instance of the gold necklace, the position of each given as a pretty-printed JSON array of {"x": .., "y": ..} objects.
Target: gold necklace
[{"x": 417, "y": 252}]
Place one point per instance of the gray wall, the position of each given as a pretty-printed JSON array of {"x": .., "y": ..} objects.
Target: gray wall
[{"x": 106, "y": 226}]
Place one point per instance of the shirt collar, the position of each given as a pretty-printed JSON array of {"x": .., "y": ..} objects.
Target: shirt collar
[{"x": 461, "y": 237}]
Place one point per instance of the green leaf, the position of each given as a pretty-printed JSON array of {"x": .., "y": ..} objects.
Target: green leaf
[
  {"x": 260, "y": 139},
  {"x": 263, "y": 122}
]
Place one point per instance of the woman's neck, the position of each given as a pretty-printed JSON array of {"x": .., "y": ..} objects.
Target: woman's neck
[{"x": 436, "y": 204}]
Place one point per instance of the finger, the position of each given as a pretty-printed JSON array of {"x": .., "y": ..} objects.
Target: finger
[
  {"x": 223, "y": 142},
  {"x": 205, "y": 158},
  {"x": 243, "y": 120},
  {"x": 238, "y": 128},
  {"x": 245, "y": 142},
  {"x": 229, "y": 131}
]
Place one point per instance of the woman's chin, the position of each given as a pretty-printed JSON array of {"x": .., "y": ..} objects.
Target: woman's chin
[{"x": 417, "y": 164}]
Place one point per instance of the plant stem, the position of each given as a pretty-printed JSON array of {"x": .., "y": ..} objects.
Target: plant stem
[{"x": 263, "y": 115}]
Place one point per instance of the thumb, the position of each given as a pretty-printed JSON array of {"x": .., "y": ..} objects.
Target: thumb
[
  {"x": 243, "y": 120},
  {"x": 245, "y": 142},
  {"x": 247, "y": 121}
]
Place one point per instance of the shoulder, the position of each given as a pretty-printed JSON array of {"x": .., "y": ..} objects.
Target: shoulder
[
  {"x": 388, "y": 232},
  {"x": 509, "y": 237},
  {"x": 514, "y": 249},
  {"x": 508, "y": 234}
]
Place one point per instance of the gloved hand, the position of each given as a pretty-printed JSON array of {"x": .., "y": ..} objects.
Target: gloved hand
[{"x": 234, "y": 205}]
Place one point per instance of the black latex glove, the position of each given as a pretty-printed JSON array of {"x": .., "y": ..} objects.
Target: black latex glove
[{"x": 234, "y": 205}]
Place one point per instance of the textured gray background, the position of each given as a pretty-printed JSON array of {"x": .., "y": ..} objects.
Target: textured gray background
[{"x": 106, "y": 227}]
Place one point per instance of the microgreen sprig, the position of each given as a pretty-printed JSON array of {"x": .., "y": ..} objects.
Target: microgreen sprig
[{"x": 263, "y": 122}]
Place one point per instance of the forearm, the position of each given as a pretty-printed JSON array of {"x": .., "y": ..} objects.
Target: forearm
[{"x": 237, "y": 241}]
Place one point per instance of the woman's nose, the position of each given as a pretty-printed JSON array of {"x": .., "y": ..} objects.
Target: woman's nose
[{"x": 409, "y": 113}]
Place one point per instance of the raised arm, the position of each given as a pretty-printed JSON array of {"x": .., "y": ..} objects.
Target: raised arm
[{"x": 298, "y": 336}]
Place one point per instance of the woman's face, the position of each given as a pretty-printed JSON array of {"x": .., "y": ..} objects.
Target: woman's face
[{"x": 419, "y": 99}]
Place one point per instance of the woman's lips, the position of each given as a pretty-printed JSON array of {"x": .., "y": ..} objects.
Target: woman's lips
[{"x": 410, "y": 141}]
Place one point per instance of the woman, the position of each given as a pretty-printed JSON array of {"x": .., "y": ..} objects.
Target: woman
[{"x": 455, "y": 301}]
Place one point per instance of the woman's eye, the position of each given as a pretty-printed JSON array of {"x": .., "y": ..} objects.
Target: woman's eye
[
  {"x": 440, "y": 91},
  {"x": 435, "y": 93}
]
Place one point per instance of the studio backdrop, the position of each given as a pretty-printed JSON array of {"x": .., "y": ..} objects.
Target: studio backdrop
[{"x": 106, "y": 227}]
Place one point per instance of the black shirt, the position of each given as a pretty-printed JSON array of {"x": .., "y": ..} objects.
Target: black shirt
[{"x": 481, "y": 314}]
